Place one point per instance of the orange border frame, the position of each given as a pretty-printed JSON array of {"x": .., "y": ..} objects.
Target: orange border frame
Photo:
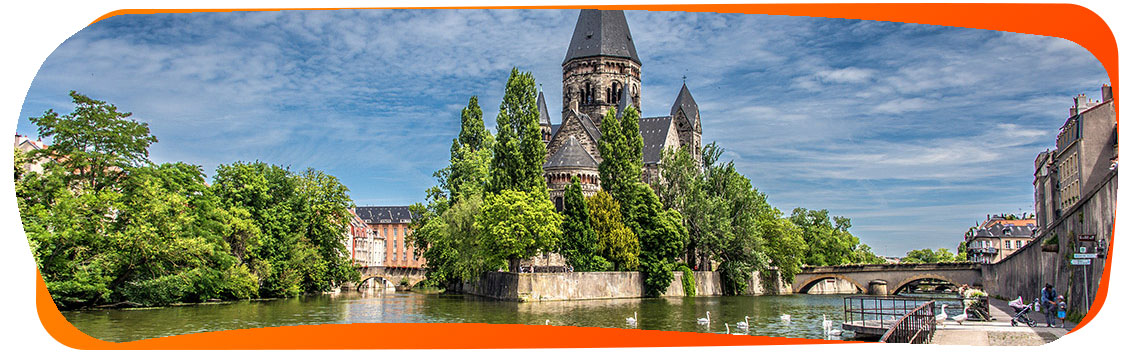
[{"x": 1071, "y": 22}]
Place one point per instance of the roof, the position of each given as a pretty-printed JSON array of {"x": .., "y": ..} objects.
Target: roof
[
  {"x": 602, "y": 33},
  {"x": 624, "y": 103},
  {"x": 654, "y": 132},
  {"x": 384, "y": 214},
  {"x": 543, "y": 112},
  {"x": 586, "y": 123},
  {"x": 1007, "y": 230},
  {"x": 687, "y": 103},
  {"x": 571, "y": 155}
]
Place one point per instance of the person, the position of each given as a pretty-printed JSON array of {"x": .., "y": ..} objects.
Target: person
[
  {"x": 1047, "y": 303},
  {"x": 1061, "y": 313}
]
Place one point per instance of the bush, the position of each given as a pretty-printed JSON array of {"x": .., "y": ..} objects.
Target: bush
[{"x": 688, "y": 281}]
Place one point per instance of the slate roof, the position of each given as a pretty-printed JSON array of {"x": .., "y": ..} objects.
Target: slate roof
[
  {"x": 543, "y": 111},
  {"x": 384, "y": 214},
  {"x": 602, "y": 33},
  {"x": 624, "y": 103},
  {"x": 572, "y": 154},
  {"x": 686, "y": 102},
  {"x": 654, "y": 132},
  {"x": 1007, "y": 230}
]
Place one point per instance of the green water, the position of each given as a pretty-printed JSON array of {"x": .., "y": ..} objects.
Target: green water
[{"x": 677, "y": 314}]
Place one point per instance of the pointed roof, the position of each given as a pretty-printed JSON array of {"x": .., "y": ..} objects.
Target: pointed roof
[
  {"x": 571, "y": 155},
  {"x": 602, "y": 33},
  {"x": 586, "y": 123},
  {"x": 543, "y": 112},
  {"x": 686, "y": 102},
  {"x": 625, "y": 101},
  {"x": 654, "y": 131}
]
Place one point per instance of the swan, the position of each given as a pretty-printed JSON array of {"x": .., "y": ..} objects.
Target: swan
[
  {"x": 705, "y": 320},
  {"x": 940, "y": 319},
  {"x": 744, "y": 324},
  {"x": 827, "y": 324},
  {"x": 631, "y": 321},
  {"x": 836, "y": 332},
  {"x": 728, "y": 330},
  {"x": 546, "y": 321},
  {"x": 786, "y": 318},
  {"x": 961, "y": 317}
]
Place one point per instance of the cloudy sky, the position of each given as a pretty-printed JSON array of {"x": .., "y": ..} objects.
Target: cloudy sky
[{"x": 915, "y": 132}]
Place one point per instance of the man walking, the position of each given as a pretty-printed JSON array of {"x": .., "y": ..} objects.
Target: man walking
[{"x": 1047, "y": 302}]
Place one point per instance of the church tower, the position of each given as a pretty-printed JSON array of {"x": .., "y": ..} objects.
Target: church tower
[
  {"x": 601, "y": 65},
  {"x": 687, "y": 124}
]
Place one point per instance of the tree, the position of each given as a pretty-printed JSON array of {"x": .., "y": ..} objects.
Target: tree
[
  {"x": 829, "y": 242},
  {"x": 928, "y": 256},
  {"x": 962, "y": 252},
  {"x": 620, "y": 165},
  {"x": 93, "y": 144},
  {"x": 784, "y": 244},
  {"x": 616, "y": 242},
  {"x": 662, "y": 238},
  {"x": 579, "y": 243},
  {"x": 468, "y": 170},
  {"x": 517, "y": 225},
  {"x": 453, "y": 244},
  {"x": 518, "y": 152}
]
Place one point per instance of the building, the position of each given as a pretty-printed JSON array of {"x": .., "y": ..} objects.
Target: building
[
  {"x": 26, "y": 145},
  {"x": 998, "y": 237},
  {"x": 366, "y": 248},
  {"x": 392, "y": 223},
  {"x": 1086, "y": 152},
  {"x": 601, "y": 72}
]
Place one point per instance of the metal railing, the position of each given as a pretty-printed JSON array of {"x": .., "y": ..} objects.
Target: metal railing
[
  {"x": 915, "y": 327},
  {"x": 879, "y": 311}
]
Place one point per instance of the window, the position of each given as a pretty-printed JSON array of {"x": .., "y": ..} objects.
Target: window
[
  {"x": 1007, "y": 244},
  {"x": 396, "y": 231}
]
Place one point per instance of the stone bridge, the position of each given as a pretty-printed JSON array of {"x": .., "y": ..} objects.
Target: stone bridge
[
  {"x": 884, "y": 279},
  {"x": 390, "y": 277}
]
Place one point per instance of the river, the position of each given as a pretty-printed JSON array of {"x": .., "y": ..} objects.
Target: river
[{"x": 677, "y": 314}]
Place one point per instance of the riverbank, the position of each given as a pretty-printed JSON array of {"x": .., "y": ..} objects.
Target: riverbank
[
  {"x": 562, "y": 286},
  {"x": 999, "y": 331}
]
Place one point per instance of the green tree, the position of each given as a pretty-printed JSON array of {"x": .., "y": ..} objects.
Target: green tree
[
  {"x": 929, "y": 256},
  {"x": 621, "y": 164},
  {"x": 829, "y": 242},
  {"x": 94, "y": 143},
  {"x": 784, "y": 244},
  {"x": 517, "y": 225},
  {"x": 468, "y": 170},
  {"x": 453, "y": 244},
  {"x": 518, "y": 152},
  {"x": 579, "y": 243},
  {"x": 616, "y": 242},
  {"x": 662, "y": 238}
]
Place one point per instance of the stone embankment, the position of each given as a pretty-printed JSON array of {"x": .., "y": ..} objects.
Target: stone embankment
[{"x": 530, "y": 287}]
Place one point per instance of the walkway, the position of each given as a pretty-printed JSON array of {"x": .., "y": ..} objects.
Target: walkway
[{"x": 999, "y": 331}]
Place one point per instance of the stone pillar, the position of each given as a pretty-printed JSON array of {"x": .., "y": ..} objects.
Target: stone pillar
[{"x": 877, "y": 287}]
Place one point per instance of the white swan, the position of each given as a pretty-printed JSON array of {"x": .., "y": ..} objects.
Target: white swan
[
  {"x": 786, "y": 318},
  {"x": 961, "y": 317},
  {"x": 631, "y": 321},
  {"x": 728, "y": 330},
  {"x": 744, "y": 324},
  {"x": 705, "y": 320},
  {"x": 827, "y": 324},
  {"x": 546, "y": 321},
  {"x": 940, "y": 319}
]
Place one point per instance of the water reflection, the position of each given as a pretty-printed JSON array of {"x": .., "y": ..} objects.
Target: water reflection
[{"x": 679, "y": 314}]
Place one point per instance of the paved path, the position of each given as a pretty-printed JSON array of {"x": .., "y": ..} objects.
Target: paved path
[{"x": 998, "y": 332}]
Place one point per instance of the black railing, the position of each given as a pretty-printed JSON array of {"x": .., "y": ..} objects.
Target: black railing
[
  {"x": 878, "y": 312},
  {"x": 915, "y": 327}
]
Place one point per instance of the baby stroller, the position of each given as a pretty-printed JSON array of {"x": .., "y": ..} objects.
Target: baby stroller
[{"x": 1021, "y": 311}]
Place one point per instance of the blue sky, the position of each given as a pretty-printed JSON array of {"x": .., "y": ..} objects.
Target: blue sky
[{"x": 915, "y": 132}]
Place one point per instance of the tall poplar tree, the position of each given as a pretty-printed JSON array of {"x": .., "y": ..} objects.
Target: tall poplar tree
[
  {"x": 519, "y": 152},
  {"x": 579, "y": 244}
]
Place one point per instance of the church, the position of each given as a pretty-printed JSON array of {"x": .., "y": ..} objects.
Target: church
[{"x": 602, "y": 72}]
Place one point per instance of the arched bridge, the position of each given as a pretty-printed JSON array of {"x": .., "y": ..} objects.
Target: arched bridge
[
  {"x": 886, "y": 278},
  {"x": 389, "y": 277}
]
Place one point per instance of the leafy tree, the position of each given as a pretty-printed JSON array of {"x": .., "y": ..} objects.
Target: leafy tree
[
  {"x": 784, "y": 244},
  {"x": 468, "y": 170},
  {"x": 928, "y": 256},
  {"x": 517, "y": 225},
  {"x": 829, "y": 242},
  {"x": 863, "y": 254},
  {"x": 518, "y": 152},
  {"x": 454, "y": 246},
  {"x": 579, "y": 243},
  {"x": 662, "y": 238},
  {"x": 962, "y": 252},
  {"x": 94, "y": 143},
  {"x": 617, "y": 243},
  {"x": 621, "y": 155}
]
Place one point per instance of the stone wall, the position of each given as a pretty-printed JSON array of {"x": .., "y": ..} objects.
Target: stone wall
[
  {"x": 530, "y": 287},
  {"x": 1026, "y": 271}
]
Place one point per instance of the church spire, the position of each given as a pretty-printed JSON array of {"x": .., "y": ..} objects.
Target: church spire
[{"x": 602, "y": 33}]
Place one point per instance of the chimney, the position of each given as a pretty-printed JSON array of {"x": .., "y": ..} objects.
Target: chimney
[
  {"x": 1108, "y": 93},
  {"x": 17, "y": 143}
]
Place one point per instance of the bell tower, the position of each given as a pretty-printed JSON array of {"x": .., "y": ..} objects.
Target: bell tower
[{"x": 601, "y": 65}]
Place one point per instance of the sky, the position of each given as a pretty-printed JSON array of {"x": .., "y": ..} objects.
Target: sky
[{"x": 914, "y": 132}]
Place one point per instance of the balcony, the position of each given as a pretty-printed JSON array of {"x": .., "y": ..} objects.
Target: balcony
[{"x": 983, "y": 250}]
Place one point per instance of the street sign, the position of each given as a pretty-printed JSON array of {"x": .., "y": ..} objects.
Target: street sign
[
  {"x": 1081, "y": 262},
  {"x": 1090, "y": 237},
  {"x": 1086, "y": 255}
]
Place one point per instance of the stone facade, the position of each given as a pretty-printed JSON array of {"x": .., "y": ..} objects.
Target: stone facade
[{"x": 602, "y": 73}]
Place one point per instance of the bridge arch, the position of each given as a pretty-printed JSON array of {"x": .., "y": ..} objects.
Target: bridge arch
[
  {"x": 807, "y": 285},
  {"x": 383, "y": 280},
  {"x": 918, "y": 277}
]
